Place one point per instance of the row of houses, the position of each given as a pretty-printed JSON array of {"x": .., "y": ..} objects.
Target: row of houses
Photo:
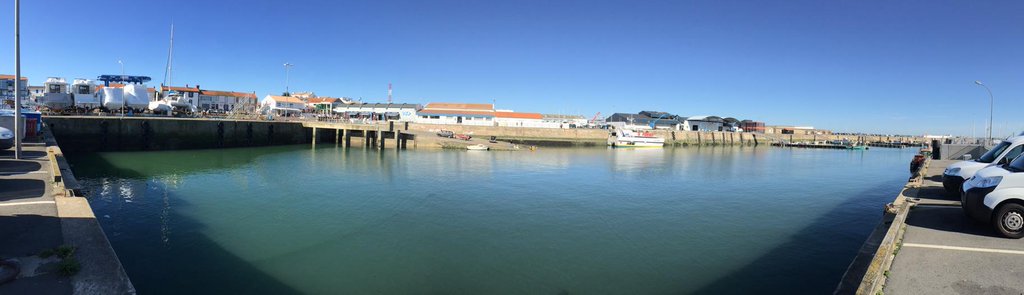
[
  {"x": 667, "y": 121},
  {"x": 213, "y": 100},
  {"x": 475, "y": 114}
]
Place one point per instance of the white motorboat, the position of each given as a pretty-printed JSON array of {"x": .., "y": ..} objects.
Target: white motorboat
[
  {"x": 634, "y": 139},
  {"x": 56, "y": 95},
  {"x": 477, "y": 147},
  {"x": 136, "y": 97},
  {"x": 83, "y": 92},
  {"x": 113, "y": 98}
]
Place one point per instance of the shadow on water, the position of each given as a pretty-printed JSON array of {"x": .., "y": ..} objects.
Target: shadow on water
[
  {"x": 140, "y": 165},
  {"x": 823, "y": 247},
  {"x": 169, "y": 253}
]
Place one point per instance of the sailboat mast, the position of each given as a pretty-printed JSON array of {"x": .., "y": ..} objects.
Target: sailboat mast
[{"x": 168, "y": 72}]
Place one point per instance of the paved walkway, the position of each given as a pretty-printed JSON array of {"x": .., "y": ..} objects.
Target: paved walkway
[
  {"x": 28, "y": 221},
  {"x": 945, "y": 252}
]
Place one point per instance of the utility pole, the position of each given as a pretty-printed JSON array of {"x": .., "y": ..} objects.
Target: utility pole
[
  {"x": 287, "y": 77},
  {"x": 17, "y": 80}
]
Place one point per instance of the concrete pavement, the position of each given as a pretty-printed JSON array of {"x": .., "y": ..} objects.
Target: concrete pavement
[
  {"x": 945, "y": 252},
  {"x": 29, "y": 222}
]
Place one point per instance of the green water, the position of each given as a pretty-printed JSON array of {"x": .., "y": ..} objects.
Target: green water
[{"x": 293, "y": 219}]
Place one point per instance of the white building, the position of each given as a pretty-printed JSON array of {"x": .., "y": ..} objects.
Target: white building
[
  {"x": 402, "y": 112},
  {"x": 283, "y": 104},
  {"x": 188, "y": 94},
  {"x": 703, "y": 123},
  {"x": 478, "y": 114},
  {"x": 513, "y": 119},
  {"x": 565, "y": 121},
  {"x": 227, "y": 101}
]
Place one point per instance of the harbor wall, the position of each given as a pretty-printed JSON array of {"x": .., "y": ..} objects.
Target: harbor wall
[
  {"x": 585, "y": 137},
  {"x": 91, "y": 134}
]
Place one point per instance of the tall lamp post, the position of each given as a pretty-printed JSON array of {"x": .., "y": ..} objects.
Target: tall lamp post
[
  {"x": 991, "y": 108},
  {"x": 17, "y": 80},
  {"x": 122, "y": 77},
  {"x": 287, "y": 76}
]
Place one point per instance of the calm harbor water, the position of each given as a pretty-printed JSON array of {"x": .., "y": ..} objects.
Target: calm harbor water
[{"x": 292, "y": 219}]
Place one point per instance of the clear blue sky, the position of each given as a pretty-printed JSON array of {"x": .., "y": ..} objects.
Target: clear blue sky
[{"x": 873, "y": 66}]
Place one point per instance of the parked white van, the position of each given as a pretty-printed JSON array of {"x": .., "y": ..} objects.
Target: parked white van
[
  {"x": 996, "y": 194},
  {"x": 1001, "y": 154}
]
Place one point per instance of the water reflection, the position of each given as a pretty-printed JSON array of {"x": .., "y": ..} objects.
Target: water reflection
[{"x": 337, "y": 220}]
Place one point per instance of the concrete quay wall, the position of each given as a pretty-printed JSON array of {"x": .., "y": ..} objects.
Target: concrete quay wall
[
  {"x": 598, "y": 136},
  {"x": 90, "y": 133}
]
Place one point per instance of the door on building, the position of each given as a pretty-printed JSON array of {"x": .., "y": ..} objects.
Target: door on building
[
  {"x": 458, "y": 120},
  {"x": 696, "y": 128}
]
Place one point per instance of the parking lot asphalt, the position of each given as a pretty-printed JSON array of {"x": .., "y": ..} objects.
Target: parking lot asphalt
[
  {"x": 29, "y": 222},
  {"x": 945, "y": 252}
]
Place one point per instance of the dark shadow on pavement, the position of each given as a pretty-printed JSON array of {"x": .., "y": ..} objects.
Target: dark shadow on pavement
[
  {"x": 13, "y": 189},
  {"x": 949, "y": 219},
  {"x": 18, "y": 167},
  {"x": 936, "y": 193},
  {"x": 27, "y": 235},
  {"x": 35, "y": 155}
]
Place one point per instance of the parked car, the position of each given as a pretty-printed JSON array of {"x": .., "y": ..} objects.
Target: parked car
[
  {"x": 996, "y": 195},
  {"x": 1001, "y": 154},
  {"x": 446, "y": 133},
  {"x": 6, "y": 138}
]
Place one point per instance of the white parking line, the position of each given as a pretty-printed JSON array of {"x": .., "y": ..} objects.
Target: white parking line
[
  {"x": 27, "y": 203},
  {"x": 971, "y": 249}
]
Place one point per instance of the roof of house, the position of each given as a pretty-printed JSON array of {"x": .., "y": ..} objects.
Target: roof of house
[
  {"x": 455, "y": 112},
  {"x": 460, "y": 106},
  {"x": 705, "y": 118},
  {"x": 515, "y": 115},
  {"x": 290, "y": 99},
  {"x": 179, "y": 89},
  {"x": 228, "y": 93},
  {"x": 323, "y": 100},
  {"x": 11, "y": 77}
]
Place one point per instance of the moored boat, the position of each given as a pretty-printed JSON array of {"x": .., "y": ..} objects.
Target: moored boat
[
  {"x": 477, "y": 147},
  {"x": 633, "y": 139}
]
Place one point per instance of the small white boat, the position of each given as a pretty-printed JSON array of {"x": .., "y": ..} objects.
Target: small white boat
[
  {"x": 633, "y": 139},
  {"x": 477, "y": 147}
]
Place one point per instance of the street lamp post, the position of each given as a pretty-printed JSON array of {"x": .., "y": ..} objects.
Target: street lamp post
[
  {"x": 17, "y": 79},
  {"x": 287, "y": 76},
  {"x": 991, "y": 108},
  {"x": 122, "y": 77}
]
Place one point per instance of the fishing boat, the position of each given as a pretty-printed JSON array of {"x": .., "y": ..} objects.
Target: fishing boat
[
  {"x": 634, "y": 139},
  {"x": 477, "y": 147},
  {"x": 857, "y": 147}
]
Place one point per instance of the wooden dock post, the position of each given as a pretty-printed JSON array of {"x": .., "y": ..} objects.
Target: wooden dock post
[
  {"x": 314, "y": 136},
  {"x": 381, "y": 139},
  {"x": 336, "y": 137}
]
